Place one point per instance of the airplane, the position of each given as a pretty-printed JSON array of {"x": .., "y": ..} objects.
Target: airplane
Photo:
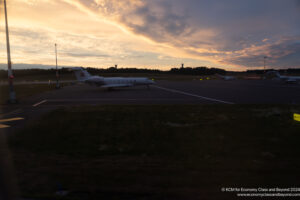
[
  {"x": 287, "y": 79},
  {"x": 226, "y": 78},
  {"x": 110, "y": 82}
]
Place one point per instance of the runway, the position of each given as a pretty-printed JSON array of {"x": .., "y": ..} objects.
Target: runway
[
  {"x": 162, "y": 93},
  {"x": 177, "y": 92}
]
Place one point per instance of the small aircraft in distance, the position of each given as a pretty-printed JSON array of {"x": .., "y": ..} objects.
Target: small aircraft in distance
[
  {"x": 287, "y": 79},
  {"x": 110, "y": 82},
  {"x": 226, "y": 78}
]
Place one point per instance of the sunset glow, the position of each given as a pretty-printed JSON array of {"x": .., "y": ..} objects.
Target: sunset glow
[{"x": 161, "y": 34}]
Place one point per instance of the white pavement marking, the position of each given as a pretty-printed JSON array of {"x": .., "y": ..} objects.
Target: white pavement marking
[
  {"x": 3, "y": 126},
  {"x": 193, "y": 95},
  {"x": 39, "y": 103},
  {"x": 11, "y": 119}
]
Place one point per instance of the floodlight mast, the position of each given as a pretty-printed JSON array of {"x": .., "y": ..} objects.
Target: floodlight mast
[
  {"x": 265, "y": 63},
  {"x": 12, "y": 94},
  {"x": 7, "y": 186},
  {"x": 57, "y": 75}
]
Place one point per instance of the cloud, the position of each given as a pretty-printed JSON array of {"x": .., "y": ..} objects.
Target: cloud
[
  {"x": 157, "y": 24},
  {"x": 85, "y": 55},
  {"x": 31, "y": 45},
  {"x": 84, "y": 37},
  {"x": 231, "y": 33},
  {"x": 284, "y": 53},
  {"x": 216, "y": 30}
]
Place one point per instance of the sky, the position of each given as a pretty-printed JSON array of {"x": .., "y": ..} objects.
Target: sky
[{"x": 157, "y": 34}]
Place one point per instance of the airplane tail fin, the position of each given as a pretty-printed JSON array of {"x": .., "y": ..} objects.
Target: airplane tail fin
[
  {"x": 81, "y": 74},
  {"x": 273, "y": 73},
  {"x": 277, "y": 74}
]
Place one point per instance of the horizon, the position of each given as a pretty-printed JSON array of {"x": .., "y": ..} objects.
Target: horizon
[
  {"x": 23, "y": 66},
  {"x": 231, "y": 35}
]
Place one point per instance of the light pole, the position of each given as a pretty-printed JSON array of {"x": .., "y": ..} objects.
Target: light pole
[
  {"x": 12, "y": 94},
  {"x": 265, "y": 63},
  {"x": 57, "y": 75},
  {"x": 265, "y": 57},
  {"x": 7, "y": 185}
]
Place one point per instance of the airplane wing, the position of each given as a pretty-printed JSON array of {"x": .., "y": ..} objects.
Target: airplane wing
[{"x": 116, "y": 85}]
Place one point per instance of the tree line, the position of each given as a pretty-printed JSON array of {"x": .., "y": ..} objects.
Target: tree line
[{"x": 177, "y": 71}]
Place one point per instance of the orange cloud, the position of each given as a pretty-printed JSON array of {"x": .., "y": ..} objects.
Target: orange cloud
[{"x": 146, "y": 33}]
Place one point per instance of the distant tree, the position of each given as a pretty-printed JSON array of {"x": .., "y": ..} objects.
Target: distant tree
[{"x": 197, "y": 71}]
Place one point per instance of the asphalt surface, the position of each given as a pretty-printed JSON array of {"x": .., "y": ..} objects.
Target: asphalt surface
[
  {"x": 164, "y": 92},
  {"x": 178, "y": 92}
]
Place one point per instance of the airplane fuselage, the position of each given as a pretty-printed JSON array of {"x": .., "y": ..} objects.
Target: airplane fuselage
[
  {"x": 117, "y": 81},
  {"x": 110, "y": 82},
  {"x": 286, "y": 79},
  {"x": 290, "y": 79},
  {"x": 133, "y": 81}
]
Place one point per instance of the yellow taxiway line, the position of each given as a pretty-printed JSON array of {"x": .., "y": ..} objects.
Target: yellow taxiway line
[
  {"x": 297, "y": 117},
  {"x": 9, "y": 120},
  {"x": 3, "y": 126}
]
